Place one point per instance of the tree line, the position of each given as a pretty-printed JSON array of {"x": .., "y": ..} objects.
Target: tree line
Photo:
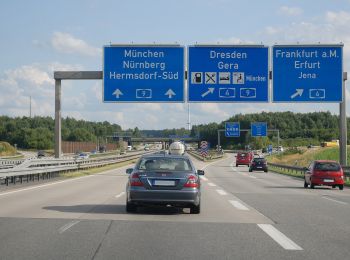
[
  {"x": 295, "y": 129},
  {"x": 38, "y": 132}
]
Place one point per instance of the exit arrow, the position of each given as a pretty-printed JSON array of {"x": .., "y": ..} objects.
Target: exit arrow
[
  {"x": 210, "y": 90},
  {"x": 170, "y": 93},
  {"x": 117, "y": 93},
  {"x": 298, "y": 93}
]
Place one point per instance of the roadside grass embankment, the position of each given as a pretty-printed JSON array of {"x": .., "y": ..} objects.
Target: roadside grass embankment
[
  {"x": 6, "y": 149},
  {"x": 302, "y": 158}
]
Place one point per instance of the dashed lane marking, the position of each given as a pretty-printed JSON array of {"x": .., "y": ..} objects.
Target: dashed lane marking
[
  {"x": 68, "y": 226},
  {"x": 120, "y": 194},
  {"x": 279, "y": 237},
  {"x": 211, "y": 184},
  {"x": 221, "y": 192},
  {"x": 238, "y": 205}
]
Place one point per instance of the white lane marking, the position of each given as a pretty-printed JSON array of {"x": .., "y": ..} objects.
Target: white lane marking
[
  {"x": 203, "y": 178},
  {"x": 252, "y": 177},
  {"x": 221, "y": 192},
  {"x": 211, "y": 184},
  {"x": 54, "y": 183},
  {"x": 279, "y": 237},
  {"x": 213, "y": 163},
  {"x": 68, "y": 226},
  {"x": 337, "y": 201},
  {"x": 120, "y": 194},
  {"x": 238, "y": 205}
]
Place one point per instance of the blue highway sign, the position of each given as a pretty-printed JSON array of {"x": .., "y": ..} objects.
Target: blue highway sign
[
  {"x": 232, "y": 129},
  {"x": 228, "y": 73},
  {"x": 258, "y": 129},
  {"x": 311, "y": 73},
  {"x": 143, "y": 73}
]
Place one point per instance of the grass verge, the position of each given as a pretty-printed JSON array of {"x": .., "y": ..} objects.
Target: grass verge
[{"x": 96, "y": 170}]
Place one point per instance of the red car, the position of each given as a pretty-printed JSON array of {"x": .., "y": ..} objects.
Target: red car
[
  {"x": 322, "y": 172},
  {"x": 244, "y": 158}
]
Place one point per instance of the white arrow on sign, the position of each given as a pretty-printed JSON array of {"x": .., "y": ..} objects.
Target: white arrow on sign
[
  {"x": 298, "y": 93},
  {"x": 210, "y": 90},
  {"x": 117, "y": 93},
  {"x": 170, "y": 93}
]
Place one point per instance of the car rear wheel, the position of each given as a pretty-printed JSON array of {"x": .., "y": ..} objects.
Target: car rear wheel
[
  {"x": 130, "y": 207},
  {"x": 341, "y": 187},
  {"x": 312, "y": 186},
  {"x": 265, "y": 170},
  {"x": 236, "y": 165},
  {"x": 250, "y": 170},
  {"x": 305, "y": 184},
  {"x": 195, "y": 209}
]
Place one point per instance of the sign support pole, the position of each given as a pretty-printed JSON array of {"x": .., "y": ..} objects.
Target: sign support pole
[
  {"x": 67, "y": 75},
  {"x": 343, "y": 126},
  {"x": 58, "y": 139}
]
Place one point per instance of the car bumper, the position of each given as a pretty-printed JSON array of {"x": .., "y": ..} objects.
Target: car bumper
[
  {"x": 322, "y": 181},
  {"x": 164, "y": 197},
  {"x": 259, "y": 168}
]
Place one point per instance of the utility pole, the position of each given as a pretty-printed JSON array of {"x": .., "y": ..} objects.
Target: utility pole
[
  {"x": 343, "y": 126},
  {"x": 30, "y": 106},
  {"x": 189, "y": 118}
]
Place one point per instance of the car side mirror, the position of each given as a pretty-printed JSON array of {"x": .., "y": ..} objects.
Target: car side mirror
[
  {"x": 129, "y": 170},
  {"x": 200, "y": 172}
]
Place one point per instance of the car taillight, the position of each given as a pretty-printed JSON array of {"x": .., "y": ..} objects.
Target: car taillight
[
  {"x": 192, "y": 182},
  {"x": 135, "y": 180}
]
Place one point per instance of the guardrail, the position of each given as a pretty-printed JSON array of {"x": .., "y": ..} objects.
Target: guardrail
[
  {"x": 37, "y": 169},
  {"x": 301, "y": 170}
]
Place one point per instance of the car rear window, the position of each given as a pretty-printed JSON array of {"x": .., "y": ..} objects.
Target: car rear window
[
  {"x": 259, "y": 160},
  {"x": 327, "y": 166},
  {"x": 242, "y": 154},
  {"x": 164, "y": 164}
]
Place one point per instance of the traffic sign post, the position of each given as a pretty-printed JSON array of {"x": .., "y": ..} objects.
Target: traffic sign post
[
  {"x": 232, "y": 129},
  {"x": 307, "y": 73},
  {"x": 258, "y": 129},
  {"x": 149, "y": 73},
  {"x": 228, "y": 73}
]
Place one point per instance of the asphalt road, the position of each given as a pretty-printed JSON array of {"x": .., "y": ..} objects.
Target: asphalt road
[{"x": 244, "y": 216}]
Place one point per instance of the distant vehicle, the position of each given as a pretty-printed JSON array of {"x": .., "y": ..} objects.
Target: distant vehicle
[
  {"x": 168, "y": 180},
  {"x": 258, "y": 164},
  {"x": 244, "y": 158},
  {"x": 41, "y": 154},
  {"x": 280, "y": 149},
  {"x": 323, "y": 172},
  {"x": 129, "y": 148},
  {"x": 333, "y": 143},
  {"x": 83, "y": 156},
  {"x": 177, "y": 148},
  {"x": 146, "y": 148}
]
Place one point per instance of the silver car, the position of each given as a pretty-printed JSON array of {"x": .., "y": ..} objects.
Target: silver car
[{"x": 164, "y": 180}]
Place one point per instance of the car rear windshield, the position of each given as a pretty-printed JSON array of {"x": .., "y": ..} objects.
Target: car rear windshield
[
  {"x": 259, "y": 160},
  {"x": 327, "y": 166},
  {"x": 164, "y": 164},
  {"x": 242, "y": 154}
]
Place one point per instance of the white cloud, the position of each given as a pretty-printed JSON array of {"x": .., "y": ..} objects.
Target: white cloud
[
  {"x": 67, "y": 43},
  {"x": 234, "y": 41},
  {"x": 338, "y": 18},
  {"x": 290, "y": 11}
]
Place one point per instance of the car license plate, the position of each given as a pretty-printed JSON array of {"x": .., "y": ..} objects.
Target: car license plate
[
  {"x": 164, "y": 183},
  {"x": 328, "y": 180},
  {"x": 259, "y": 167}
]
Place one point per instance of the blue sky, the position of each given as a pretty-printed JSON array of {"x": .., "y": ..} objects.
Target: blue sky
[{"x": 38, "y": 37}]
